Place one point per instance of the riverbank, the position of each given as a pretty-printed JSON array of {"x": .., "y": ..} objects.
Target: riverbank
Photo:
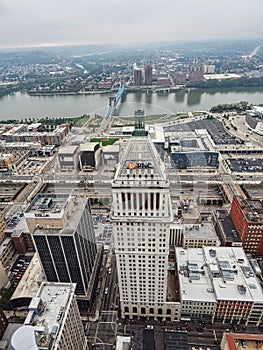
[{"x": 150, "y": 89}]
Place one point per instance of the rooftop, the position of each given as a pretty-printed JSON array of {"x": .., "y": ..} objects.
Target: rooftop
[
  {"x": 73, "y": 209},
  {"x": 228, "y": 226},
  {"x": 204, "y": 231},
  {"x": 140, "y": 165},
  {"x": 217, "y": 273},
  {"x": 88, "y": 146},
  {"x": 68, "y": 150},
  {"x": 45, "y": 317},
  {"x": 48, "y": 203},
  {"x": 28, "y": 285},
  {"x": 253, "y": 209},
  {"x": 234, "y": 341}
]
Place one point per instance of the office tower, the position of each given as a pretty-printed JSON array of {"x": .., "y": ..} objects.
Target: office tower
[
  {"x": 53, "y": 321},
  {"x": 247, "y": 216},
  {"x": 65, "y": 241},
  {"x": 148, "y": 74},
  {"x": 141, "y": 215},
  {"x": 137, "y": 77}
]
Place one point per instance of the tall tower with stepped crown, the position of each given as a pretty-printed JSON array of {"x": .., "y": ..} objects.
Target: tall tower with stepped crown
[
  {"x": 139, "y": 118},
  {"x": 141, "y": 215}
]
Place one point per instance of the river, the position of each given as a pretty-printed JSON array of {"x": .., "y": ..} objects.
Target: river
[{"x": 21, "y": 105}]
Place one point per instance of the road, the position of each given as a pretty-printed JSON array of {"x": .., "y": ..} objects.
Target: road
[{"x": 102, "y": 333}]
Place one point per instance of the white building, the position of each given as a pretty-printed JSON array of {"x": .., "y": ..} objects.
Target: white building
[
  {"x": 197, "y": 236},
  {"x": 218, "y": 284},
  {"x": 53, "y": 321},
  {"x": 141, "y": 215}
]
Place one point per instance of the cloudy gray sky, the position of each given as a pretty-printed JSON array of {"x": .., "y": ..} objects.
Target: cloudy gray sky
[{"x": 45, "y": 22}]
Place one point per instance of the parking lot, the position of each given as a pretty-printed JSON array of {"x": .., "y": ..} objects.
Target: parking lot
[
  {"x": 19, "y": 268},
  {"x": 246, "y": 165},
  {"x": 213, "y": 126},
  {"x": 9, "y": 191},
  {"x": 102, "y": 227}
]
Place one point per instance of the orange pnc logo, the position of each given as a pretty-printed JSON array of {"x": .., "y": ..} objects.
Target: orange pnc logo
[{"x": 132, "y": 166}]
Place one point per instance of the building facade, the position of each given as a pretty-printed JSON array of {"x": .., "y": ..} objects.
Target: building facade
[
  {"x": 148, "y": 74},
  {"x": 141, "y": 215},
  {"x": 68, "y": 158},
  {"x": 137, "y": 76},
  {"x": 247, "y": 216},
  {"x": 218, "y": 284},
  {"x": 66, "y": 243}
]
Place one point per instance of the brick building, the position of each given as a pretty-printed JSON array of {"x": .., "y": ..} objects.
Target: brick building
[{"x": 247, "y": 216}]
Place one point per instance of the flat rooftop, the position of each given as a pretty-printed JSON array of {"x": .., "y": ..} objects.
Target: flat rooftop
[
  {"x": 217, "y": 273},
  {"x": 88, "y": 146},
  {"x": 234, "y": 341},
  {"x": 56, "y": 297},
  {"x": 198, "y": 289},
  {"x": 75, "y": 207},
  {"x": 46, "y": 315},
  {"x": 48, "y": 202},
  {"x": 228, "y": 226},
  {"x": 252, "y": 209},
  {"x": 28, "y": 285},
  {"x": 204, "y": 231},
  {"x": 68, "y": 150}
]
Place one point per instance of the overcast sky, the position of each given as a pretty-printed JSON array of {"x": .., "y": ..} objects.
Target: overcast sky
[{"x": 45, "y": 22}]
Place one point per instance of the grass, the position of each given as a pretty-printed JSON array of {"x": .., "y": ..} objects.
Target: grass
[{"x": 105, "y": 141}]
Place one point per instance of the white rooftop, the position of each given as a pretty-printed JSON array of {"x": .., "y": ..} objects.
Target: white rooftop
[
  {"x": 68, "y": 150},
  {"x": 196, "y": 289},
  {"x": 56, "y": 298},
  {"x": 204, "y": 231},
  {"x": 46, "y": 315},
  {"x": 219, "y": 273}
]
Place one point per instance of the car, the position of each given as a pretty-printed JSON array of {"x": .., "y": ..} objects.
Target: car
[
  {"x": 149, "y": 326},
  {"x": 109, "y": 271},
  {"x": 243, "y": 343},
  {"x": 189, "y": 329},
  {"x": 106, "y": 290},
  {"x": 178, "y": 328}
]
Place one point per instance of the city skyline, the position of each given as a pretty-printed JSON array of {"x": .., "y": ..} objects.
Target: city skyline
[{"x": 45, "y": 24}]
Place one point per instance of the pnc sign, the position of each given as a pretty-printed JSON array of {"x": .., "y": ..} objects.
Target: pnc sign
[{"x": 139, "y": 165}]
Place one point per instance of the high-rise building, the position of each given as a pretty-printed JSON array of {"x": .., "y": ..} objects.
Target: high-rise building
[
  {"x": 53, "y": 321},
  {"x": 180, "y": 78},
  {"x": 65, "y": 241},
  {"x": 141, "y": 216},
  {"x": 247, "y": 216},
  {"x": 137, "y": 76},
  {"x": 148, "y": 74},
  {"x": 196, "y": 74}
]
